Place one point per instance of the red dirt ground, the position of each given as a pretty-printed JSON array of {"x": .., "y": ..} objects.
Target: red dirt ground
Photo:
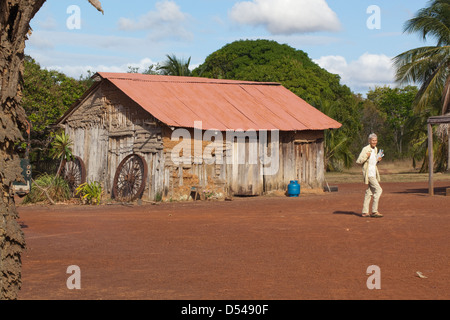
[{"x": 263, "y": 248}]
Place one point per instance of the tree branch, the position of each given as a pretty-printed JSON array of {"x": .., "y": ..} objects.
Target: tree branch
[{"x": 43, "y": 190}]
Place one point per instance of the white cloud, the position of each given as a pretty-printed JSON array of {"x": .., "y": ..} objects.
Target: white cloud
[
  {"x": 49, "y": 23},
  {"x": 66, "y": 52},
  {"x": 49, "y": 40},
  {"x": 367, "y": 72},
  {"x": 166, "y": 21},
  {"x": 333, "y": 64},
  {"x": 166, "y": 12},
  {"x": 75, "y": 71},
  {"x": 39, "y": 40},
  {"x": 286, "y": 16}
]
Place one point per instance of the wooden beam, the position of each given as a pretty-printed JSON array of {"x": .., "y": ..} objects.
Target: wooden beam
[
  {"x": 430, "y": 160},
  {"x": 439, "y": 119}
]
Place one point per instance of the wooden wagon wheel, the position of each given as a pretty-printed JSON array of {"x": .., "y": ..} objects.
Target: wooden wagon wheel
[
  {"x": 130, "y": 178},
  {"x": 74, "y": 172}
]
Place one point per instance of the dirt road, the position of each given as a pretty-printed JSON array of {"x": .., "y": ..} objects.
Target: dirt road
[{"x": 311, "y": 247}]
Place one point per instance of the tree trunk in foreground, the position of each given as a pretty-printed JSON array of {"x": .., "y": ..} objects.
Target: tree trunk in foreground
[{"x": 15, "y": 17}]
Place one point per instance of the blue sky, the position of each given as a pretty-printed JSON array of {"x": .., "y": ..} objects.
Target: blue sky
[{"x": 342, "y": 36}]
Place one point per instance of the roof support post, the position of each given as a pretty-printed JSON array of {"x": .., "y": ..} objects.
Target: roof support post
[
  {"x": 430, "y": 160},
  {"x": 448, "y": 137}
]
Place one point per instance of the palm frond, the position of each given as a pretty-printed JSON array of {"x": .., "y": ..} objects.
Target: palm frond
[
  {"x": 429, "y": 66},
  {"x": 174, "y": 66},
  {"x": 432, "y": 21},
  {"x": 432, "y": 88},
  {"x": 414, "y": 65}
]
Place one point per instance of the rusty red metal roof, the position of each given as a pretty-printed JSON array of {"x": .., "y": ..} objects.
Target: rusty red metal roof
[{"x": 220, "y": 104}]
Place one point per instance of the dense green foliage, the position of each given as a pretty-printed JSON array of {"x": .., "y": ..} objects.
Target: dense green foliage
[
  {"x": 269, "y": 61},
  {"x": 47, "y": 95},
  {"x": 394, "y": 108}
]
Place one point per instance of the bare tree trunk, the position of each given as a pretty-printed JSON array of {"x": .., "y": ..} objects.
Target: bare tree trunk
[
  {"x": 446, "y": 102},
  {"x": 15, "y": 16},
  {"x": 448, "y": 149}
]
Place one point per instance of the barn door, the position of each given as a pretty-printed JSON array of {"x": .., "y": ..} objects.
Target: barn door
[
  {"x": 309, "y": 163},
  {"x": 246, "y": 178}
]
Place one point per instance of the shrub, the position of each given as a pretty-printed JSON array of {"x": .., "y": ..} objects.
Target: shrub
[
  {"x": 56, "y": 187},
  {"x": 90, "y": 192}
]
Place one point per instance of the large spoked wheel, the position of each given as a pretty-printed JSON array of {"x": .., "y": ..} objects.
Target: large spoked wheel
[
  {"x": 74, "y": 172},
  {"x": 130, "y": 177}
]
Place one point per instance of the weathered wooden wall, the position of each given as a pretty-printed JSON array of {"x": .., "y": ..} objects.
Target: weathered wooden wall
[
  {"x": 300, "y": 158},
  {"x": 108, "y": 126}
]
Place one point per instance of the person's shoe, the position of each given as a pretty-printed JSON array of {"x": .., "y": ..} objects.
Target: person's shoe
[
  {"x": 376, "y": 215},
  {"x": 365, "y": 215}
]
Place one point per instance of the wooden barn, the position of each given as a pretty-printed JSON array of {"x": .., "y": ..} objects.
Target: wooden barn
[{"x": 160, "y": 137}]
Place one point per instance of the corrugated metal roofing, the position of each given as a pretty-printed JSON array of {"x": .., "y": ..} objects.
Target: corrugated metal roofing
[{"x": 220, "y": 104}]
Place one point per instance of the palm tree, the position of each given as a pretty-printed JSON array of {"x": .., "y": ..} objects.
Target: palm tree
[
  {"x": 61, "y": 149},
  {"x": 175, "y": 67},
  {"x": 428, "y": 66}
]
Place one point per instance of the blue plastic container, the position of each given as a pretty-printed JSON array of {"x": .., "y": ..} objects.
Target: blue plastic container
[{"x": 294, "y": 189}]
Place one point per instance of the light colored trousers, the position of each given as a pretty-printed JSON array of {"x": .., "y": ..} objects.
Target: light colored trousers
[{"x": 374, "y": 190}]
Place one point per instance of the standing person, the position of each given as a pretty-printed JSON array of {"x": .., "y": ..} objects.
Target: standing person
[{"x": 369, "y": 159}]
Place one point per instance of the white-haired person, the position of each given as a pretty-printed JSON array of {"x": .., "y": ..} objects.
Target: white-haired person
[{"x": 369, "y": 159}]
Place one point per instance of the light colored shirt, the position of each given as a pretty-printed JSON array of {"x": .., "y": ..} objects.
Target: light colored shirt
[
  {"x": 363, "y": 159},
  {"x": 373, "y": 164}
]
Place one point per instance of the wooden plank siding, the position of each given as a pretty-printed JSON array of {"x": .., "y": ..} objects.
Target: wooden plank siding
[{"x": 301, "y": 158}]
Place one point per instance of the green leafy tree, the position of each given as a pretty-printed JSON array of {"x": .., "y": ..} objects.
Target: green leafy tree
[
  {"x": 395, "y": 106},
  {"x": 372, "y": 121},
  {"x": 47, "y": 94},
  {"x": 266, "y": 60}
]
